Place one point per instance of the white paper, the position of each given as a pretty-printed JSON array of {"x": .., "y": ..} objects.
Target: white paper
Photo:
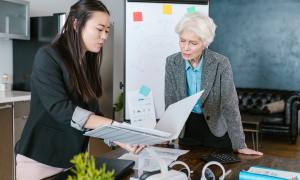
[
  {"x": 168, "y": 128},
  {"x": 176, "y": 115},
  {"x": 145, "y": 162},
  {"x": 141, "y": 109},
  {"x": 141, "y": 129}
]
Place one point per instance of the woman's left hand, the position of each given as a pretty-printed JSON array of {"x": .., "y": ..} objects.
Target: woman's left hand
[
  {"x": 133, "y": 149},
  {"x": 249, "y": 152}
]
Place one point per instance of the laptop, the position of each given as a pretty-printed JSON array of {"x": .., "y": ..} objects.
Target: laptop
[{"x": 120, "y": 166}]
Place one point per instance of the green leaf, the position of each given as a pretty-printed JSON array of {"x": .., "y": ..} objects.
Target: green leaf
[
  {"x": 120, "y": 103},
  {"x": 85, "y": 169}
]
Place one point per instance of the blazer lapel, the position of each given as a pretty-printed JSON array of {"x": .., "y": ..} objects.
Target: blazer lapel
[
  {"x": 208, "y": 74},
  {"x": 181, "y": 77}
]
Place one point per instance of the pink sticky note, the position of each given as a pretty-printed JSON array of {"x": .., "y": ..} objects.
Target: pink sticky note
[{"x": 137, "y": 16}]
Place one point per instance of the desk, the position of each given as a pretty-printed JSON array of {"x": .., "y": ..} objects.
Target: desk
[{"x": 193, "y": 159}]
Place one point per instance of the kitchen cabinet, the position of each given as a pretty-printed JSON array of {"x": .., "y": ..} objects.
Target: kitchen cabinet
[
  {"x": 6, "y": 136},
  {"x": 13, "y": 117},
  {"x": 21, "y": 111},
  {"x": 14, "y": 19}
]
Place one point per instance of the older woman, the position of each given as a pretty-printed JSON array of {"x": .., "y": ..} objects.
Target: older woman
[{"x": 215, "y": 120}]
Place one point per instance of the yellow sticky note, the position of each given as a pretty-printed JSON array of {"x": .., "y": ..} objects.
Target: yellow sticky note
[{"x": 167, "y": 9}]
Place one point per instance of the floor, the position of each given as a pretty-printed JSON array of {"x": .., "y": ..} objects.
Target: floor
[{"x": 277, "y": 146}]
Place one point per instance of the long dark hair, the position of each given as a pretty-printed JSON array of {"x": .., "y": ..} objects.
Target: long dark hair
[{"x": 83, "y": 67}]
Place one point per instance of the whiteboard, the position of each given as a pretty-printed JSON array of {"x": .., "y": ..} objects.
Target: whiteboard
[{"x": 147, "y": 44}]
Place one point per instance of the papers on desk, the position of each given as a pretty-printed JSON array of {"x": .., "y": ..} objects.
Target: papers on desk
[
  {"x": 168, "y": 128},
  {"x": 264, "y": 173},
  {"x": 145, "y": 162}
]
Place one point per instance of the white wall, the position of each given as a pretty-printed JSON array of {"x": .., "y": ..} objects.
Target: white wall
[
  {"x": 48, "y": 7},
  {"x": 37, "y": 8},
  {"x": 6, "y": 59}
]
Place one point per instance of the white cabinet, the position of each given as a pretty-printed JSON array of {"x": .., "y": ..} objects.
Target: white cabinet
[{"x": 14, "y": 19}]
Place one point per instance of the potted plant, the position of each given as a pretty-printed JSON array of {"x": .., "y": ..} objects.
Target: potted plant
[{"x": 85, "y": 169}]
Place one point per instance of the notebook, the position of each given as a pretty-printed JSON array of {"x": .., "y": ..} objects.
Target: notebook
[{"x": 168, "y": 127}]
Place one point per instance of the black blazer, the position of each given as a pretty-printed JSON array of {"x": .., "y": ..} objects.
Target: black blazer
[{"x": 48, "y": 136}]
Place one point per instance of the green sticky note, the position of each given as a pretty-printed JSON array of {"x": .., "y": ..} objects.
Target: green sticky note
[{"x": 191, "y": 10}]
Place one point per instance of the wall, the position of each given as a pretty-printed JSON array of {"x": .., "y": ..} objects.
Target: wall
[
  {"x": 117, "y": 11},
  {"x": 261, "y": 39},
  {"x": 47, "y": 7},
  {"x": 37, "y": 8},
  {"x": 6, "y": 58}
]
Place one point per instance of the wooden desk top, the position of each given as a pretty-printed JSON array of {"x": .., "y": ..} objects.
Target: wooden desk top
[{"x": 193, "y": 159}]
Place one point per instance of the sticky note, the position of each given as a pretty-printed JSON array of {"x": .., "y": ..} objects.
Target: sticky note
[
  {"x": 137, "y": 16},
  {"x": 191, "y": 10},
  {"x": 144, "y": 90},
  {"x": 167, "y": 9}
]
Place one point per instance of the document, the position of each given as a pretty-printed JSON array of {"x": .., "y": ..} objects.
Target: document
[
  {"x": 168, "y": 128},
  {"x": 126, "y": 133},
  {"x": 145, "y": 162}
]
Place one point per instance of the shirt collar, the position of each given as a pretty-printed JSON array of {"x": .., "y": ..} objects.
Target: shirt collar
[{"x": 197, "y": 68}]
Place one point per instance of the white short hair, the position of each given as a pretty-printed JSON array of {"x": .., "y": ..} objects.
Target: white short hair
[{"x": 203, "y": 26}]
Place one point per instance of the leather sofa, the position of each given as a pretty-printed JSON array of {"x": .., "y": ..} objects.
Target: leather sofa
[{"x": 253, "y": 103}]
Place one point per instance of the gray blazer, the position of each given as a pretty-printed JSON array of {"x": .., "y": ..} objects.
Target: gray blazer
[{"x": 219, "y": 101}]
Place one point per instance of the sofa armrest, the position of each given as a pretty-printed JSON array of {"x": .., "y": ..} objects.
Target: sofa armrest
[
  {"x": 291, "y": 110},
  {"x": 289, "y": 107},
  {"x": 294, "y": 119}
]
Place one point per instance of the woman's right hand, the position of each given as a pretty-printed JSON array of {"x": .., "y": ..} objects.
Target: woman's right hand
[{"x": 133, "y": 149}]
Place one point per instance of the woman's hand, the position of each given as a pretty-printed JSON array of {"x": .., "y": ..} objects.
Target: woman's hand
[
  {"x": 249, "y": 152},
  {"x": 133, "y": 149}
]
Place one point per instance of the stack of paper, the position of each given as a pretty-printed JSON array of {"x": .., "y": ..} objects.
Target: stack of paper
[
  {"x": 129, "y": 134},
  {"x": 263, "y": 173}
]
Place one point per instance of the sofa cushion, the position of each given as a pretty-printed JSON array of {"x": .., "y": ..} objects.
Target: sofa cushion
[
  {"x": 274, "y": 107},
  {"x": 274, "y": 120}
]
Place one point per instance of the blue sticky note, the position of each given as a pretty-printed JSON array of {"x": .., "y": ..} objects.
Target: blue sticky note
[{"x": 144, "y": 90}]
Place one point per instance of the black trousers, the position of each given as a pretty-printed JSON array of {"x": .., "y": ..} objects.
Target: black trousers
[{"x": 197, "y": 133}]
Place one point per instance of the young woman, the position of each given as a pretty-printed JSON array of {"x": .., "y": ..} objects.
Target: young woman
[
  {"x": 65, "y": 86},
  {"x": 215, "y": 120}
]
